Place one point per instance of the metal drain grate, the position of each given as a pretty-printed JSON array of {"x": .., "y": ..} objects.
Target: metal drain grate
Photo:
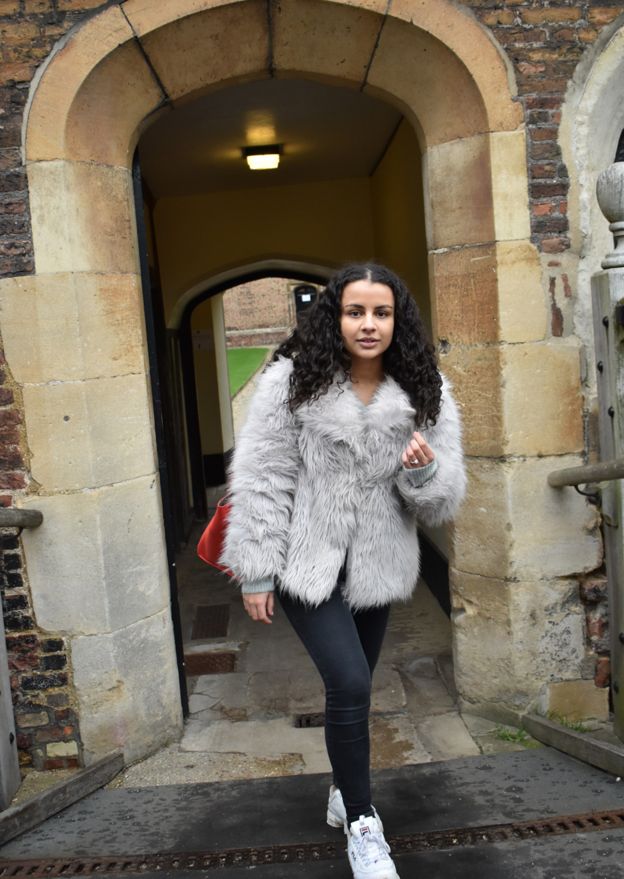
[
  {"x": 211, "y": 662},
  {"x": 48, "y": 868},
  {"x": 304, "y": 721},
  {"x": 211, "y": 621}
]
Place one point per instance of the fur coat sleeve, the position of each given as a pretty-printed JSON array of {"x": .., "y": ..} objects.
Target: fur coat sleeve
[
  {"x": 262, "y": 480},
  {"x": 438, "y": 500}
]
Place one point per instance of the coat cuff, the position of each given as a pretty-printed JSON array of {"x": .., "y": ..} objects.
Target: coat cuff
[
  {"x": 265, "y": 585},
  {"x": 418, "y": 476}
]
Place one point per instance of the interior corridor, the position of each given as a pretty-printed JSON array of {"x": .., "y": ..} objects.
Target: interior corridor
[
  {"x": 256, "y": 700},
  {"x": 251, "y": 722}
]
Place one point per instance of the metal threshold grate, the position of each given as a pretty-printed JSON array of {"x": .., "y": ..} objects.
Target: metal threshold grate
[
  {"x": 210, "y": 662},
  {"x": 284, "y": 854},
  {"x": 211, "y": 621},
  {"x": 304, "y": 721}
]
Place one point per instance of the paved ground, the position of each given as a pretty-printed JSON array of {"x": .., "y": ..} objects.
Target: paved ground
[
  {"x": 243, "y": 776},
  {"x": 242, "y": 723},
  {"x": 464, "y": 793}
]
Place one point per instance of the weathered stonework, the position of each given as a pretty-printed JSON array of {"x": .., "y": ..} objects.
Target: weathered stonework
[
  {"x": 594, "y": 596},
  {"x": 505, "y": 205},
  {"x": 39, "y": 668}
]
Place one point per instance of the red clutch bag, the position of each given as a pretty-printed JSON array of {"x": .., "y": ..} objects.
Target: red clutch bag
[{"x": 211, "y": 542}]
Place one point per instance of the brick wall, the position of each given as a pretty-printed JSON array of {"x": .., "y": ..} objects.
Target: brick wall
[
  {"x": 46, "y": 723},
  {"x": 265, "y": 303},
  {"x": 594, "y": 596},
  {"x": 544, "y": 41}
]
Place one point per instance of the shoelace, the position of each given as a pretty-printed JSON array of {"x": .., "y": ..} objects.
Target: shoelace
[{"x": 371, "y": 848}]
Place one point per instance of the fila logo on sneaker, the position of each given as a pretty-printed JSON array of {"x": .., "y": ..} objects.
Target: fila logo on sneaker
[{"x": 364, "y": 830}]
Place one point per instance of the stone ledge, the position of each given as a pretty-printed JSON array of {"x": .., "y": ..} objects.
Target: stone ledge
[
  {"x": 19, "y": 819},
  {"x": 605, "y": 756}
]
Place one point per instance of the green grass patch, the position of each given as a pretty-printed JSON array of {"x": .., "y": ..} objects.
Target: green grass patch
[
  {"x": 576, "y": 725},
  {"x": 242, "y": 363},
  {"x": 516, "y": 736}
]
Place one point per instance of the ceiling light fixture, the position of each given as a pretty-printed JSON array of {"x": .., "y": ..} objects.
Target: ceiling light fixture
[{"x": 263, "y": 158}]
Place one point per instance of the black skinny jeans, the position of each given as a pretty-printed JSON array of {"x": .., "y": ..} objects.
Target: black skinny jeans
[{"x": 344, "y": 645}]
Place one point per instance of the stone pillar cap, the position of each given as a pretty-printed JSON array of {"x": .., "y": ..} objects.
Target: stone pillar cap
[{"x": 610, "y": 192}]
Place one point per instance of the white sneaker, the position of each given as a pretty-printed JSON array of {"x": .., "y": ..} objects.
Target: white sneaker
[
  {"x": 369, "y": 853},
  {"x": 336, "y": 812}
]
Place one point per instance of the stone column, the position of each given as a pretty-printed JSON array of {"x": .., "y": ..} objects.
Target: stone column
[
  {"x": 75, "y": 342},
  {"x": 519, "y": 545}
]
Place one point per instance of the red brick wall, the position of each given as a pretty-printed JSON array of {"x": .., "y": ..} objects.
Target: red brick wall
[
  {"x": 545, "y": 41},
  {"x": 38, "y": 662},
  {"x": 594, "y": 595},
  {"x": 265, "y": 303}
]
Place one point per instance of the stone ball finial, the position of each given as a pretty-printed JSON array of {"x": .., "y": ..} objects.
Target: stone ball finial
[{"x": 610, "y": 192}]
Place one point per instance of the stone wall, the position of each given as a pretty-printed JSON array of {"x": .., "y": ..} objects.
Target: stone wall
[
  {"x": 544, "y": 42},
  {"x": 46, "y": 724},
  {"x": 47, "y": 728}
]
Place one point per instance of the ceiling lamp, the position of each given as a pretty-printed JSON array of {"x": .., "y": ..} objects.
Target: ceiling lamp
[{"x": 263, "y": 158}]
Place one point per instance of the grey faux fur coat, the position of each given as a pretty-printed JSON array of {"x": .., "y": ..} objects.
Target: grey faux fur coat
[{"x": 306, "y": 487}]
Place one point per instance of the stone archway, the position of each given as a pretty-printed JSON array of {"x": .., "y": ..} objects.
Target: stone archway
[
  {"x": 84, "y": 373},
  {"x": 230, "y": 277}
]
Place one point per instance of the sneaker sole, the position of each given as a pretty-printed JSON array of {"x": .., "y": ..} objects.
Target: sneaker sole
[
  {"x": 394, "y": 875},
  {"x": 388, "y": 874}
]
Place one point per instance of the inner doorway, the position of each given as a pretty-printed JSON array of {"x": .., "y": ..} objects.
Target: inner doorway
[{"x": 349, "y": 188}]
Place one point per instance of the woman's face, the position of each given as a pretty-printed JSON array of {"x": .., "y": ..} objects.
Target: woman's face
[{"x": 367, "y": 319}]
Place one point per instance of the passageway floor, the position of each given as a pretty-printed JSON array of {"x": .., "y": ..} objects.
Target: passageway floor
[
  {"x": 243, "y": 723},
  {"x": 467, "y": 792}
]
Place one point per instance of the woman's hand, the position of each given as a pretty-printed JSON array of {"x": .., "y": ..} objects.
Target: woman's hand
[
  {"x": 417, "y": 453},
  {"x": 259, "y": 605}
]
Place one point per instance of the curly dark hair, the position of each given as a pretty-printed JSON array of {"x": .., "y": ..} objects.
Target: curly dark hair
[{"x": 317, "y": 351}]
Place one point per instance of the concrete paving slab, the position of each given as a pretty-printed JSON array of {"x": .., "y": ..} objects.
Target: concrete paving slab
[
  {"x": 286, "y": 692},
  {"x": 445, "y": 737},
  {"x": 388, "y": 690},
  {"x": 260, "y": 738},
  {"x": 173, "y": 766},
  {"x": 418, "y": 628},
  {"x": 425, "y": 691},
  {"x": 229, "y": 692},
  {"x": 395, "y": 742},
  {"x": 436, "y": 796},
  {"x": 479, "y": 726}
]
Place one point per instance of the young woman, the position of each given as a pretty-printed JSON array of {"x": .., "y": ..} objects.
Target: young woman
[{"x": 351, "y": 439}]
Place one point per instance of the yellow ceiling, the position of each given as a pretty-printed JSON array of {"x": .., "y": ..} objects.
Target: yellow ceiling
[{"x": 327, "y": 133}]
